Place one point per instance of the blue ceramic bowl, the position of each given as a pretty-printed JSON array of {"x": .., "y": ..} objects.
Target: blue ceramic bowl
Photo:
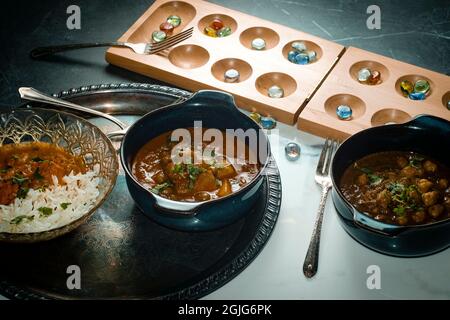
[
  {"x": 427, "y": 135},
  {"x": 216, "y": 110}
]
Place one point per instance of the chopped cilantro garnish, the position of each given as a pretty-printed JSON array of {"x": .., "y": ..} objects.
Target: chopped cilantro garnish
[
  {"x": 399, "y": 211},
  {"x": 415, "y": 161},
  {"x": 64, "y": 205},
  {"x": 177, "y": 168},
  {"x": 22, "y": 193},
  {"x": 19, "y": 219},
  {"x": 19, "y": 179},
  {"x": 160, "y": 187},
  {"x": 45, "y": 211},
  {"x": 374, "y": 180},
  {"x": 5, "y": 169},
  {"x": 37, "y": 175}
]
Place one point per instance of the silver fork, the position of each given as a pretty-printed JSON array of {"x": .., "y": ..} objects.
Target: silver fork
[
  {"x": 140, "y": 48},
  {"x": 322, "y": 178}
]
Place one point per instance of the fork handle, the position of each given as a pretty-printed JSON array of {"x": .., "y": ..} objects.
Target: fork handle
[
  {"x": 45, "y": 51},
  {"x": 312, "y": 255}
]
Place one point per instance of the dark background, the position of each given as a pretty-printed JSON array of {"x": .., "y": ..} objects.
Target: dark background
[{"x": 416, "y": 32}]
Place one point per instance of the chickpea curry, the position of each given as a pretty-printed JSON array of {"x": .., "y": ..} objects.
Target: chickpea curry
[
  {"x": 193, "y": 181},
  {"x": 402, "y": 188},
  {"x": 32, "y": 165}
]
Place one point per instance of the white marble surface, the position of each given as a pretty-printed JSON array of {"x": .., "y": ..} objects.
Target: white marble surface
[{"x": 277, "y": 272}]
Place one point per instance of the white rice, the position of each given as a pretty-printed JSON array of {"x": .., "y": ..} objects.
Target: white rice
[{"x": 81, "y": 191}]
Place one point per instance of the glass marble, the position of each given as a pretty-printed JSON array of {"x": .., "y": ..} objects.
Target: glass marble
[
  {"x": 344, "y": 112},
  {"x": 299, "y": 46},
  {"x": 406, "y": 87},
  {"x": 275, "y": 92},
  {"x": 159, "y": 36},
  {"x": 225, "y": 31},
  {"x": 210, "y": 32},
  {"x": 448, "y": 104},
  {"x": 217, "y": 24},
  {"x": 174, "y": 20},
  {"x": 258, "y": 44},
  {"x": 231, "y": 75},
  {"x": 255, "y": 116},
  {"x": 292, "y": 151},
  {"x": 364, "y": 74},
  {"x": 417, "y": 96},
  {"x": 268, "y": 123},
  {"x": 166, "y": 27},
  {"x": 302, "y": 58},
  {"x": 291, "y": 55},
  {"x": 375, "y": 77},
  {"x": 312, "y": 55},
  {"x": 421, "y": 86}
]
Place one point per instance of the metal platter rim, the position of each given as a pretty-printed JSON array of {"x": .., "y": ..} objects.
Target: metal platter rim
[{"x": 220, "y": 277}]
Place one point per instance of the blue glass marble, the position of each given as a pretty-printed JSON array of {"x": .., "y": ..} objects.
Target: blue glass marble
[
  {"x": 292, "y": 151},
  {"x": 291, "y": 55},
  {"x": 268, "y": 123},
  {"x": 302, "y": 58},
  {"x": 417, "y": 96},
  {"x": 344, "y": 112}
]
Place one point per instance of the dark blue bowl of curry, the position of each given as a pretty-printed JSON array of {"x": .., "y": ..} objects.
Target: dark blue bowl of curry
[
  {"x": 199, "y": 193},
  {"x": 391, "y": 187}
]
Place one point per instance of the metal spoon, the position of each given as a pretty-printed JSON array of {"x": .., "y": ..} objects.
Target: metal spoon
[{"x": 32, "y": 94}]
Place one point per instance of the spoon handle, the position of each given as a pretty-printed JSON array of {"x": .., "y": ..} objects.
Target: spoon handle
[{"x": 32, "y": 94}]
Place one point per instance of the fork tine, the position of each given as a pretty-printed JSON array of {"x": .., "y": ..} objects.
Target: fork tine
[
  {"x": 171, "y": 39},
  {"x": 321, "y": 162},
  {"x": 169, "y": 44},
  {"x": 329, "y": 156}
]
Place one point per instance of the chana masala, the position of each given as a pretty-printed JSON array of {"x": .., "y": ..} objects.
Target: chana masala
[
  {"x": 212, "y": 177},
  {"x": 402, "y": 188}
]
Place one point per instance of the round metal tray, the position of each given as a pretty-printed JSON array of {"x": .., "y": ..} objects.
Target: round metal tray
[{"x": 120, "y": 253}]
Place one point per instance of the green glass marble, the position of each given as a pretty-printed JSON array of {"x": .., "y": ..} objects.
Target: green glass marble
[
  {"x": 159, "y": 36},
  {"x": 406, "y": 87},
  {"x": 421, "y": 86},
  {"x": 225, "y": 31},
  {"x": 174, "y": 20}
]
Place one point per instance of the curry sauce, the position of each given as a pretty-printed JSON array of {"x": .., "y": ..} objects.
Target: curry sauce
[
  {"x": 32, "y": 165},
  {"x": 218, "y": 176}
]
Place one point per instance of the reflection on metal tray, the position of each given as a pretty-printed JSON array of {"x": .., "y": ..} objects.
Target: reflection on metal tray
[{"x": 121, "y": 253}]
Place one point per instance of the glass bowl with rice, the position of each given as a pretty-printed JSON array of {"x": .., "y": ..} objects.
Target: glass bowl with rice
[{"x": 56, "y": 169}]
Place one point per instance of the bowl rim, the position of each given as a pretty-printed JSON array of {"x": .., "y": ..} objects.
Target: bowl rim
[
  {"x": 337, "y": 188},
  {"x": 195, "y": 204},
  {"x": 22, "y": 236}
]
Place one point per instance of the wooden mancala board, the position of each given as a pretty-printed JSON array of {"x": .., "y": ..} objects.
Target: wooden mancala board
[
  {"x": 200, "y": 61},
  {"x": 372, "y": 105}
]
